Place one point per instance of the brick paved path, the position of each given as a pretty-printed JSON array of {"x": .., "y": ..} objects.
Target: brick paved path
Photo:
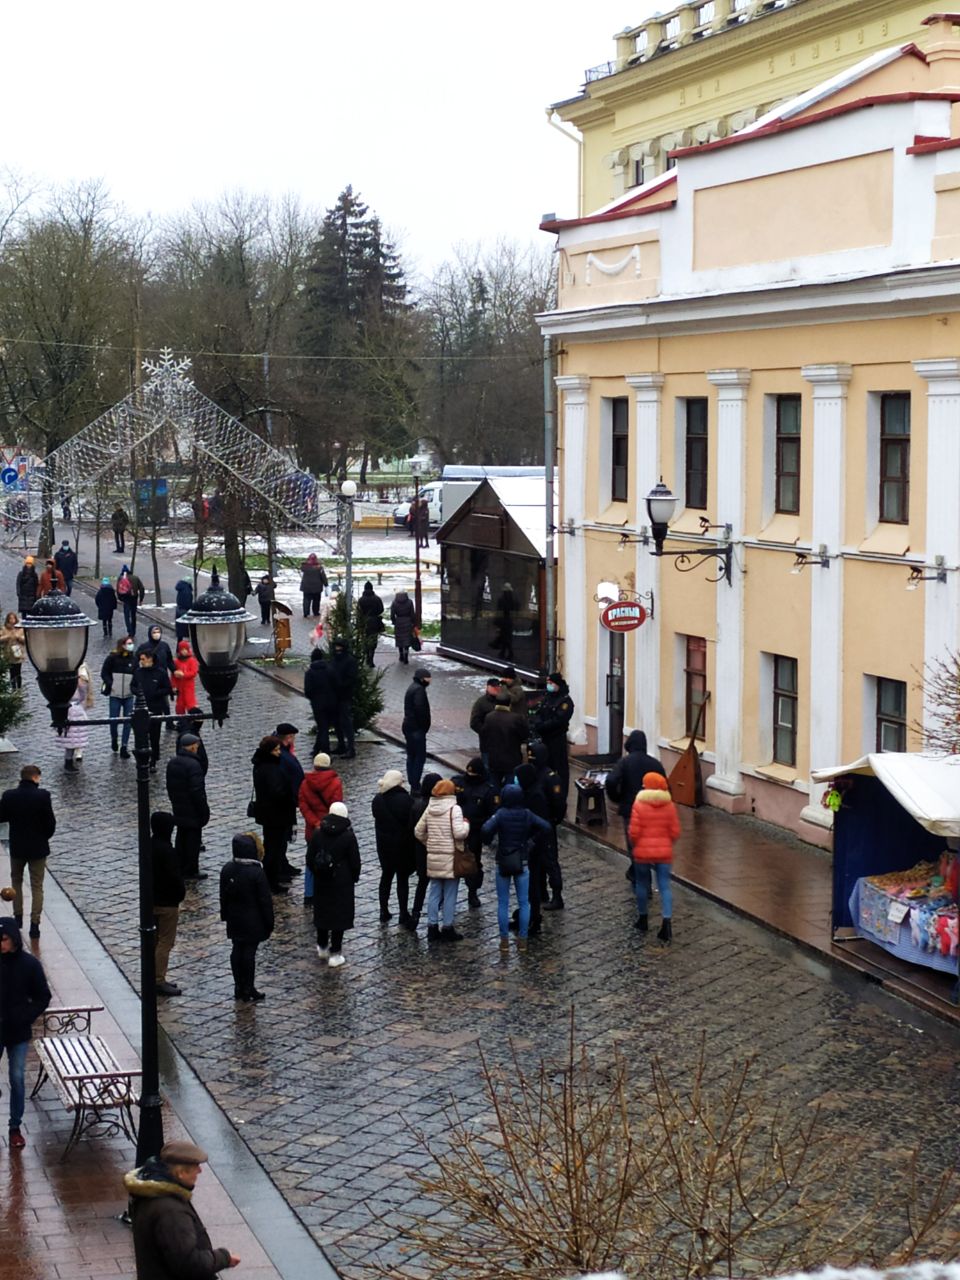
[{"x": 327, "y": 1078}]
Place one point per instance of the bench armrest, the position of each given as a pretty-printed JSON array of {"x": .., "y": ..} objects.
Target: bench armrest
[{"x": 69, "y": 1018}]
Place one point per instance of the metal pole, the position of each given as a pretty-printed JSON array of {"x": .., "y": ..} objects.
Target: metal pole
[
  {"x": 150, "y": 1132},
  {"x": 348, "y": 560},
  {"x": 549, "y": 463},
  {"x": 417, "y": 589}
]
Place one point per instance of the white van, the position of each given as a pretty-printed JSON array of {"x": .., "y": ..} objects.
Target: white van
[{"x": 433, "y": 492}]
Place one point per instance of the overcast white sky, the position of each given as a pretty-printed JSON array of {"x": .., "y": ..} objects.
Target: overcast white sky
[{"x": 433, "y": 111}]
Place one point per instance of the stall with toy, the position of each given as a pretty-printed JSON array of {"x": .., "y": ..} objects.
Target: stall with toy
[{"x": 896, "y": 868}]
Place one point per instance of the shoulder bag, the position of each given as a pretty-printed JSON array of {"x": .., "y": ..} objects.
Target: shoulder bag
[{"x": 464, "y": 859}]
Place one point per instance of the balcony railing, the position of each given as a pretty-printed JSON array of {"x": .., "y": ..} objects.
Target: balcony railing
[{"x": 681, "y": 26}]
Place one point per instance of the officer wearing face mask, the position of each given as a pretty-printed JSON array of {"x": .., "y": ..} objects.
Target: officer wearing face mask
[
  {"x": 116, "y": 675},
  {"x": 551, "y": 722}
]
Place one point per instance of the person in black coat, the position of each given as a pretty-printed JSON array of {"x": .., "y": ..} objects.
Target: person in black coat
[
  {"x": 370, "y": 608},
  {"x": 24, "y": 996},
  {"x": 186, "y": 788},
  {"x": 501, "y": 740},
  {"x": 403, "y": 615},
  {"x": 343, "y": 667},
  {"x": 271, "y": 808},
  {"x": 535, "y": 800},
  {"x": 66, "y": 561},
  {"x": 549, "y": 783},
  {"x": 155, "y": 644},
  {"x": 246, "y": 908},
  {"x": 27, "y": 586},
  {"x": 169, "y": 891},
  {"x": 395, "y": 845},
  {"x": 418, "y": 803},
  {"x": 416, "y": 724},
  {"x": 152, "y": 680},
  {"x": 184, "y": 603},
  {"x": 192, "y": 722},
  {"x": 106, "y": 602},
  {"x": 624, "y": 780},
  {"x": 293, "y": 772},
  {"x": 551, "y": 721},
  {"x": 477, "y": 800},
  {"x": 29, "y": 811},
  {"x": 334, "y": 858},
  {"x": 320, "y": 690}
]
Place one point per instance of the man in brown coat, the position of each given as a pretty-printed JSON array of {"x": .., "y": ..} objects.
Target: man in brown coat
[{"x": 169, "y": 1240}]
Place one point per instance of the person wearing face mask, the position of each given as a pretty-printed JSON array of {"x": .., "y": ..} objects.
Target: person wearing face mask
[
  {"x": 151, "y": 679},
  {"x": 550, "y": 724},
  {"x": 156, "y": 645},
  {"x": 116, "y": 677},
  {"x": 416, "y": 724}
]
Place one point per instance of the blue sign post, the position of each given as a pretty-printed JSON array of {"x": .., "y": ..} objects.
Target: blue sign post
[{"x": 8, "y": 477}]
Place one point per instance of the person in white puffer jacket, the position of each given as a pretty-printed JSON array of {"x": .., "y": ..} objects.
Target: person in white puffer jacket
[{"x": 440, "y": 827}]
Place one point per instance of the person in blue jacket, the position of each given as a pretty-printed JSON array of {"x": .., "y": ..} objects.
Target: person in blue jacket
[{"x": 515, "y": 825}]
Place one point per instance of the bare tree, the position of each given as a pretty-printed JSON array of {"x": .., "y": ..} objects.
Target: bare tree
[{"x": 940, "y": 687}]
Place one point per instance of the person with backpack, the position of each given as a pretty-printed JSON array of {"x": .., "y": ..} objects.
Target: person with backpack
[
  {"x": 320, "y": 788},
  {"x": 516, "y": 828},
  {"x": 477, "y": 800},
  {"x": 334, "y": 858},
  {"x": 654, "y": 828},
  {"x": 246, "y": 908},
  {"x": 391, "y": 809},
  {"x": 440, "y": 828},
  {"x": 130, "y": 593}
]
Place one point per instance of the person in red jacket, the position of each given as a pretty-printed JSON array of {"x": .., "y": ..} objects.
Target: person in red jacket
[
  {"x": 654, "y": 826},
  {"x": 321, "y": 788},
  {"x": 185, "y": 668}
]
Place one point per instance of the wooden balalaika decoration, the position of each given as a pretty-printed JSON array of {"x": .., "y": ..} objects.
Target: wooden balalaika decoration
[{"x": 686, "y": 778}]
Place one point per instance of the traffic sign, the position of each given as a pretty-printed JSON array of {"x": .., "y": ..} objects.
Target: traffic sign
[{"x": 8, "y": 476}]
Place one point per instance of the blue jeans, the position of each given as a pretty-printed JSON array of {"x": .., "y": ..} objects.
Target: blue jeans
[
  {"x": 641, "y": 888},
  {"x": 308, "y": 885},
  {"x": 522, "y": 881},
  {"x": 17, "y": 1063},
  {"x": 442, "y": 897},
  {"x": 130, "y": 615},
  {"x": 120, "y": 707},
  {"x": 416, "y": 756}
]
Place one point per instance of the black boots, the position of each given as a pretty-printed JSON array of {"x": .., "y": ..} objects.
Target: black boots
[
  {"x": 472, "y": 899},
  {"x": 449, "y": 934},
  {"x": 642, "y": 924},
  {"x": 665, "y": 932},
  {"x": 556, "y": 903}
]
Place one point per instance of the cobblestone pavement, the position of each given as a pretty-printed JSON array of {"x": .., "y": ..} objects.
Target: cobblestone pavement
[{"x": 329, "y": 1077}]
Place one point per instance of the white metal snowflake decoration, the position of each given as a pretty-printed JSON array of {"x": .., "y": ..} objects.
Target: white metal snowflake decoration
[{"x": 167, "y": 371}]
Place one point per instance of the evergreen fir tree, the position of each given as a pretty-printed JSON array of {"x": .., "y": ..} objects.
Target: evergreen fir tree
[
  {"x": 367, "y": 694},
  {"x": 13, "y": 712}
]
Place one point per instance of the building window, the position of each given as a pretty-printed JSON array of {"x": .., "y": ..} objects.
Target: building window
[
  {"x": 895, "y": 457},
  {"x": 891, "y": 715},
  {"x": 695, "y": 460},
  {"x": 620, "y": 448},
  {"x": 695, "y": 685},
  {"x": 784, "y": 710},
  {"x": 788, "y": 455}
]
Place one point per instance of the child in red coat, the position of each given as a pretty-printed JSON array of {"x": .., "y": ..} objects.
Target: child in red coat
[
  {"x": 185, "y": 668},
  {"x": 654, "y": 826}
]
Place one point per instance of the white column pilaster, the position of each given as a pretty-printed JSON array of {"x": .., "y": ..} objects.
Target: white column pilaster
[
  {"x": 648, "y": 394},
  {"x": 824, "y": 680},
  {"x": 727, "y": 702},
  {"x": 941, "y": 617},
  {"x": 576, "y": 606}
]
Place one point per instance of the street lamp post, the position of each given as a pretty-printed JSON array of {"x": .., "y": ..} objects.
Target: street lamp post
[
  {"x": 348, "y": 491},
  {"x": 56, "y": 634},
  {"x": 416, "y": 466}
]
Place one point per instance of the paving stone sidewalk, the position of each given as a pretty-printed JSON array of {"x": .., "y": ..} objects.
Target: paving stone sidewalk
[{"x": 329, "y": 1078}]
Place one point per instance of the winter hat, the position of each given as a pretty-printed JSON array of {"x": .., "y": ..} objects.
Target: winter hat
[
  {"x": 28, "y": 559},
  {"x": 392, "y": 778},
  {"x": 422, "y": 673},
  {"x": 183, "y": 1153},
  {"x": 654, "y": 782},
  {"x": 510, "y": 673},
  {"x": 65, "y": 543},
  {"x": 283, "y": 729},
  {"x": 321, "y": 760},
  {"x": 104, "y": 582},
  {"x": 188, "y": 739},
  {"x": 526, "y": 776},
  {"x": 339, "y": 809},
  {"x": 556, "y": 677},
  {"x": 367, "y": 585},
  {"x": 493, "y": 682},
  {"x": 444, "y": 788},
  {"x": 475, "y": 768},
  {"x": 183, "y": 647}
]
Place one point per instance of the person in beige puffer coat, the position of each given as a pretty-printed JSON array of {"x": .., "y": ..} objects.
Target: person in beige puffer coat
[{"x": 440, "y": 827}]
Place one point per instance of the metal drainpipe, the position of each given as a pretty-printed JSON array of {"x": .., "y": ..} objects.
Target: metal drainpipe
[{"x": 549, "y": 463}]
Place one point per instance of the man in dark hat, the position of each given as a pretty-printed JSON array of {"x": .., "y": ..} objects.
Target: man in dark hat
[
  {"x": 24, "y": 995},
  {"x": 169, "y": 1239},
  {"x": 293, "y": 772},
  {"x": 416, "y": 724},
  {"x": 511, "y": 685}
]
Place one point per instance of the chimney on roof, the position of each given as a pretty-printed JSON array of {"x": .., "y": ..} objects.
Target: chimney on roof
[{"x": 944, "y": 39}]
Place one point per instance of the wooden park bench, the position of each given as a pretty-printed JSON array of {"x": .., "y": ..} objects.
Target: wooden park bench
[{"x": 87, "y": 1077}]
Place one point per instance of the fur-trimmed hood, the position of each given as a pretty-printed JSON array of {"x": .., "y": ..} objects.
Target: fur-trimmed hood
[{"x": 154, "y": 1179}]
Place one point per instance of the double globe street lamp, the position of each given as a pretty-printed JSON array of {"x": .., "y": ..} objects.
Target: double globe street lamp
[{"x": 56, "y": 633}]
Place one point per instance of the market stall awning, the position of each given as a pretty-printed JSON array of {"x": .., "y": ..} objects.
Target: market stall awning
[{"x": 928, "y": 787}]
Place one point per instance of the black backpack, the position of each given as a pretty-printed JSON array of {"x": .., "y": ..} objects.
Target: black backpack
[{"x": 324, "y": 863}]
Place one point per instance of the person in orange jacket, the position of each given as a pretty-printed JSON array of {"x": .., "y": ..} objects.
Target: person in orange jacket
[
  {"x": 185, "y": 669},
  {"x": 654, "y": 826},
  {"x": 51, "y": 578}
]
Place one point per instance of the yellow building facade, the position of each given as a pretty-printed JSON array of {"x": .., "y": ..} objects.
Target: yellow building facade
[{"x": 771, "y": 325}]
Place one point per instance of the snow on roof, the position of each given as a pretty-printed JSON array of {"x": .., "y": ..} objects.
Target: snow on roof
[{"x": 524, "y": 499}]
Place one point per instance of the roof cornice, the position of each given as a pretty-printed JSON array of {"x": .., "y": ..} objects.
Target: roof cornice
[{"x": 911, "y": 292}]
